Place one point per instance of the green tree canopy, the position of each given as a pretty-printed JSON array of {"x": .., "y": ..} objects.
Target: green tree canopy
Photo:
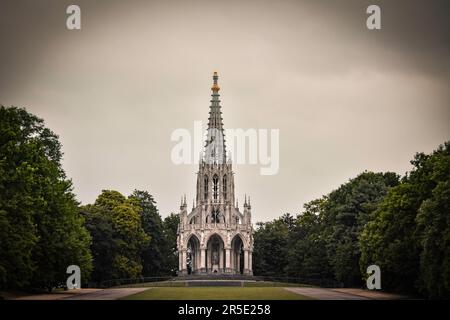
[
  {"x": 322, "y": 242},
  {"x": 408, "y": 235},
  {"x": 170, "y": 224},
  {"x": 155, "y": 254},
  {"x": 41, "y": 231},
  {"x": 345, "y": 213},
  {"x": 270, "y": 252},
  {"x": 307, "y": 257},
  {"x": 118, "y": 237}
]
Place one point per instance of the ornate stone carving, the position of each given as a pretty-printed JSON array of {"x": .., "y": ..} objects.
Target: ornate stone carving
[{"x": 215, "y": 197}]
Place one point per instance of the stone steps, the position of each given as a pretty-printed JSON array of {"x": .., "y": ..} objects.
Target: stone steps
[
  {"x": 214, "y": 277},
  {"x": 214, "y": 283}
]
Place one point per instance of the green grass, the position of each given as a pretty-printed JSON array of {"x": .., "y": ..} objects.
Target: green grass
[
  {"x": 183, "y": 284},
  {"x": 273, "y": 284},
  {"x": 154, "y": 284},
  {"x": 216, "y": 293}
]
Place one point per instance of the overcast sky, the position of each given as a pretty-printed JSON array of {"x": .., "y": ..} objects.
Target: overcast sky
[{"x": 345, "y": 99}]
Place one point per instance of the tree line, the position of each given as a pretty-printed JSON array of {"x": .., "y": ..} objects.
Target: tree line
[
  {"x": 398, "y": 223},
  {"x": 401, "y": 224},
  {"x": 129, "y": 238},
  {"x": 43, "y": 229}
]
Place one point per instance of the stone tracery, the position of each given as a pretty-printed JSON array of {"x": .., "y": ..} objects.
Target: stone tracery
[{"x": 212, "y": 238}]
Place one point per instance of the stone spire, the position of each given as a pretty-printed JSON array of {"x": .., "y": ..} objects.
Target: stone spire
[
  {"x": 215, "y": 142},
  {"x": 183, "y": 202},
  {"x": 216, "y": 228}
]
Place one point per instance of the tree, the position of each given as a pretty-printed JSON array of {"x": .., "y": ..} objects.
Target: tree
[
  {"x": 170, "y": 224},
  {"x": 99, "y": 222},
  {"x": 345, "y": 213},
  {"x": 434, "y": 224},
  {"x": 118, "y": 237},
  {"x": 154, "y": 255},
  {"x": 42, "y": 232},
  {"x": 307, "y": 256},
  {"x": 270, "y": 253},
  {"x": 408, "y": 235},
  {"x": 322, "y": 242},
  {"x": 63, "y": 240},
  {"x": 389, "y": 241}
]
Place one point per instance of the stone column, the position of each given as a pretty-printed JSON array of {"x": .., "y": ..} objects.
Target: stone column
[
  {"x": 237, "y": 265},
  {"x": 183, "y": 262},
  {"x": 250, "y": 262},
  {"x": 198, "y": 261},
  {"x": 221, "y": 260},
  {"x": 208, "y": 260},
  {"x": 194, "y": 261},
  {"x": 232, "y": 260},
  {"x": 246, "y": 270},
  {"x": 202, "y": 261},
  {"x": 227, "y": 260}
]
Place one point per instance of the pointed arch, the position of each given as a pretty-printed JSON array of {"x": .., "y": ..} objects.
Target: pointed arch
[
  {"x": 240, "y": 236},
  {"x": 194, "y": 236},
  {"x": 208, "y": 237},
  {"x": 237, "y": 253},
  {"x": 192, "y": 253},
  {"x": 224, "y": 187},
  {"x": 205, "y": 187},
  {"x": 215, "y": 253},
  {"x": 215, "y": 187}
]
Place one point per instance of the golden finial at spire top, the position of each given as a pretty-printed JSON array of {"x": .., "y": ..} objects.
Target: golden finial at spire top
[{"x": 215, "y": 87}]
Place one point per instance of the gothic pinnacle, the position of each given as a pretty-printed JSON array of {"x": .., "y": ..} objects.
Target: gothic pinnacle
[{"x": 215, "y": 150}]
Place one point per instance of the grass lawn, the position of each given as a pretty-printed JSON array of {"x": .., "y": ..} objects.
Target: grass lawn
[
  {"x": 273, "y": 284},
  {"x": 216, "y": 293},
  {"x": 183, "y": 284}
]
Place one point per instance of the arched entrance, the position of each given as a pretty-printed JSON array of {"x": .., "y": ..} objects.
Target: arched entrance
[
  {"x": 215, "y": 255},
  {"x": 193, "y": 255},
  {"x": 237, "y": 255}
]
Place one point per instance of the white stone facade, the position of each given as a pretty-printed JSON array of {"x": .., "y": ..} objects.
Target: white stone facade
[{"x": 215, "y": 237}]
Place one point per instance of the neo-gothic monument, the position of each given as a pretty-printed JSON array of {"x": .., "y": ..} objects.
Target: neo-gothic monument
[{"x": 215, "y": 237}]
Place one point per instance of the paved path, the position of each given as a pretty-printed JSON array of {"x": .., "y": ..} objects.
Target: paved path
[
  {"x": 86, "y": 294},
  {"x": 372, "y": 294},
  {"x": 59, "y": 295},
  {"x": 325, "y": 294},
  {"x": 107, "y": 294}
]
